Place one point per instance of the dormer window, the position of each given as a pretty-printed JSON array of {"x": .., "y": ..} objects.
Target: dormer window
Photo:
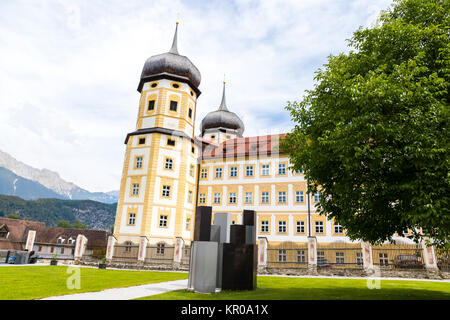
[
  {"x": 60, "y": 240},
  {"x": 4, "y": 232},
  {"x": 70, "y": 240}
]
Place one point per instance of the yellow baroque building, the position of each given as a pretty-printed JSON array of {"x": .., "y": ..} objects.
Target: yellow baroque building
[{"x": 168, "y": 170}]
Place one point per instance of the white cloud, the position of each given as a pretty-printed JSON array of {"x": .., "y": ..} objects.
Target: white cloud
[{"x": 69, "y": 69}]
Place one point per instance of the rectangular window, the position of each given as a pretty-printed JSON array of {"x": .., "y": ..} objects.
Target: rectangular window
[
  {"x": 170, "y": 142},
  {"x": 166, "y": 191},
  {"x": 151, "y": 105},
  {"x": 282, "y": 168},
  {"x": 163, "y": 221},
  {"x": 249, "y": 171},
  {"x": 384, "y": 260},
  {"x": 359, "y": 259},
  {"x": 264, "y": 226},
  {"x": 300, "y": 226},
  {"x": 301, "y": 256},
  {"x": 316, "y": 196},
  {"x": 320, "y": 256},
  {"x": 248, "y": 197},
  {"x": 282, "y": 226},
  {"x": 282, "y": 255},
  {"x": 190, "y": 113},
  {"x": 138, "y": 162},
  {"x": 233, "y": 172},
  {"x": 299, "y": 196},
  {"x": 173, "y": 105},
  {"x": 168, "y": 164},
  {"x": 204, "y": 173},
  {"x": 201, "y": 198},
  {"x": 160, "y": 248},
  {"x": 188, "y": 224},
  {"x": 340, "y": 258},
  {"x": 189, "y": 196},
  {"x": 217, "y": 198},
  {"x": 132, "y": 219},
  {"x": 265, "y": 197},
  {"x": 141, "y": 140},
  {"x": 232, "y": 197},
  {"x": 338, "y": 229},
  {"x": 265, "y": 170},
  {"x": 135, "y": 190},
  {"x": 218, "y": 172},
  {"x": 191, "y": 170},
  {"x": 319, "y": 226},
  {"x": 282, "y": 196}
]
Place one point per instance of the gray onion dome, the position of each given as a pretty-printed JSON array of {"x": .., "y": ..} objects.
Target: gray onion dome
[
  {"x": 222, "y": 118},
  {"x": 171, "y": 63}
]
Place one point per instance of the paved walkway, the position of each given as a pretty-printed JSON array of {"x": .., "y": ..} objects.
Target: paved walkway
[{"x": 127, "y": 293}]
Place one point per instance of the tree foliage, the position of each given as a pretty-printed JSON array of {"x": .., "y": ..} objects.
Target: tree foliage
[
  {"x": 64, "y": 224},
  {"x": 372, "y": 134}
]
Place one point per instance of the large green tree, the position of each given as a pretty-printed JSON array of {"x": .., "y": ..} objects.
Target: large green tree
[{"x": 372, "y": 134}]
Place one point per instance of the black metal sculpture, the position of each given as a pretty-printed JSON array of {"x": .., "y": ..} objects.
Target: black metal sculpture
[{"x": 223, "y": 255}]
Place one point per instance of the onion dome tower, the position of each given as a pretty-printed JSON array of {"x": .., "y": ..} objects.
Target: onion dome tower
[
  {"x": 158, "y": 186},
  {"x": 222, "y": 124}
]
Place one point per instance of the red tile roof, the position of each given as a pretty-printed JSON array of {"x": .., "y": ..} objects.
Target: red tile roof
[{"x": 248, "y": 146}]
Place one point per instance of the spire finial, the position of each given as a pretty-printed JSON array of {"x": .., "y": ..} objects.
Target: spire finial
[
  {"x": 223, "y": 104},
  {"x": 174, "y": 48}
]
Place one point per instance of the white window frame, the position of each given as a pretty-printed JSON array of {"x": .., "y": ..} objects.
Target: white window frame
[
  {"x": 132, "y": 219},
  {"x": 139, "y": 161},
  {"x": 282, "y": 255},
  {"x": 233, "y": 171},
  {"x": 299, "y": 197},
  {"x": 163, "y": 221},
  {"x": 301, "y": 256},
  {"x": 135, "y": 189},
  {"x": 265, "y": 197},
  {"x": 282, "y": 197},
  {"x": 264, "y": 226},
  {"x": 282, "y": 168},
  {"x": 219, "y": 173},
  {"x": 265, "y": 170},
  {"x": 319, "y": 227},
  {"x": 217, "y": 198},
  {"x": 168, "y": 164},
  {"x": 282, "y": 226},
  {"x": 166, "y": 191},
  {"x": 249, "y": 197},
  {"x": 300, "y": 225},
  {"x": 201, "y": 198},
  {"x": 232, "y": 197}
]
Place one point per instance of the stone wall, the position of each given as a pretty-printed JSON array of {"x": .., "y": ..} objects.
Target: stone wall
[{"x": 414, "y": 274}]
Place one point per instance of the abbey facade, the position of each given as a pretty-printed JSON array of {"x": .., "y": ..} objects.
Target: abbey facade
[{"x": 168, "y": 170}]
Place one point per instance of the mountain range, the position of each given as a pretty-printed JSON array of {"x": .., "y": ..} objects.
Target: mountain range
[
  {"x": 94, "y": 214},
  {"x": 24, "y": 181}
]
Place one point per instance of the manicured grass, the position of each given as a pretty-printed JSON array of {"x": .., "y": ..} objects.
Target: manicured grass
[
  {"x": 289, "y": 288},
  {"x": 34, "y": 282}
]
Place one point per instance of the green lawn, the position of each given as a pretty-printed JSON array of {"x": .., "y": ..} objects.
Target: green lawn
[
  {"x": 34, "y": 282},
  {"x": 285, "y": 288}
]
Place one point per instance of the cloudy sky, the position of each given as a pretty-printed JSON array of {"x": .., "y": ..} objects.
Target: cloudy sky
[{"x": 69, "y": 70}]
